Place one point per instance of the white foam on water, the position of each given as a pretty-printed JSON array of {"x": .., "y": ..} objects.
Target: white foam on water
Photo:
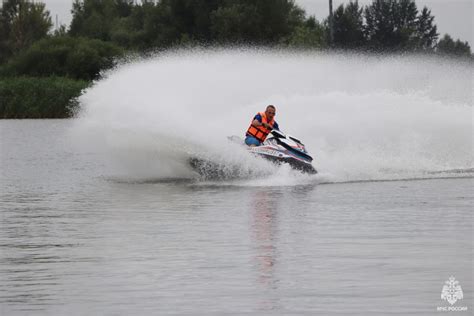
[{"x": 361, "y": 117}]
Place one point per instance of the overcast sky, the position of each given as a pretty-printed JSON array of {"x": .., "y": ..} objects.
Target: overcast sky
[{"x": 454, "y": 17}]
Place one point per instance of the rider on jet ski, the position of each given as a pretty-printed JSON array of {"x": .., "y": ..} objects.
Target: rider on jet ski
[{"x": 261, "y": 126}]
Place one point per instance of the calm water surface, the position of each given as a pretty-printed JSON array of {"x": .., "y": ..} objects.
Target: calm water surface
[{"x": 74, "y": 241}]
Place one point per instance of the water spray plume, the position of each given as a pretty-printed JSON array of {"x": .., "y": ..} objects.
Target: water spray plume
[{"x": 363, "y": 117}]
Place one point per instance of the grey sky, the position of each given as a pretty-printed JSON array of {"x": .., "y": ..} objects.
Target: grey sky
[{"x": 454, "y": 17}]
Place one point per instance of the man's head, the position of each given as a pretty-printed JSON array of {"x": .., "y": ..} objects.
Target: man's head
[{"x": 270, "y": 112}]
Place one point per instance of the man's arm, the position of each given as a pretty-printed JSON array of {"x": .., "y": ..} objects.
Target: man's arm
[{"x": 257, "y": 121}]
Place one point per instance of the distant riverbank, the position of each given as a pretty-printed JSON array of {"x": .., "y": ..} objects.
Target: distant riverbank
[{"x": 29, "y": 97}]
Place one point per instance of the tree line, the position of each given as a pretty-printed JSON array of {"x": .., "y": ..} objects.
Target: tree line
[{"x": 102, "y": 30}]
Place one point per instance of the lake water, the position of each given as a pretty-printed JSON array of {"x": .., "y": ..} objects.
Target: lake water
[{"x": 76, "y": 240}]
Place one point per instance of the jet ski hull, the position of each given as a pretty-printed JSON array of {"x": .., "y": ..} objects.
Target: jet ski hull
[
  {"x": 278, "y": 155},
  {"x": 294, "y": 163},
  {"x": 279, "y": 149}
]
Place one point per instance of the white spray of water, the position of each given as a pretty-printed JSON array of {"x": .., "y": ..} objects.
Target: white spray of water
[{"x": 362, "y": 118}]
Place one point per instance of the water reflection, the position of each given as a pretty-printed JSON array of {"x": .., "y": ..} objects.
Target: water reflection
[
  {"x": 264, "y": 230},
  {"x": 264, "y": 234},
  {"x": 269, "y": 207}
]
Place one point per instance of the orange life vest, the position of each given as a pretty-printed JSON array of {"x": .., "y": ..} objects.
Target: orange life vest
[{"x": 261, "y": 131}]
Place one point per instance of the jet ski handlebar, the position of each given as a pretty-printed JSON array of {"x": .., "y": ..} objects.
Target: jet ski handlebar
[{"x": 278, "y": 134}]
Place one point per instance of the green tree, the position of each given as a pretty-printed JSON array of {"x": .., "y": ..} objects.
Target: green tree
[
  {"x": 426, "y": 35},
  {"x": 5, "y": 50},
  {"x": 279, "y": 18},
  {"x": 51, "y": 97},
  {"x": 95, "y": 19},
  {"x": 447, "y": 46},
  {"x": 256, "y": 22},
  {"x": 76, "y": 58},
  {"x": 140, "y": 30},
  {"x": 349, "y": 26},
  {"x": 391, "y": 24},
  {"x": 193, "y": 17},
  {"x": 426, "y": 31},
  {"x": 167, "y": 23},
  {"x": 22, "y": 22},
  {"x": 311, "y": 34},
  {"x": 149, "y": 24},
  {"x": 236, "y": 23}
]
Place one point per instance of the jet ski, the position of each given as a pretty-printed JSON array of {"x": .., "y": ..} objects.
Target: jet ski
[{"x": 280, "y": 148}]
